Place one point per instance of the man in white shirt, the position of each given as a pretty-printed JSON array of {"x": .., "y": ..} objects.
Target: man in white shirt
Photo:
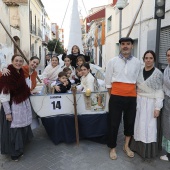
[{"x": 121, "y": 75}]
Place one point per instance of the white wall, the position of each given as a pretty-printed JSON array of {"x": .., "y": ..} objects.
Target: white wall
[{"x": 143, "y": 24}]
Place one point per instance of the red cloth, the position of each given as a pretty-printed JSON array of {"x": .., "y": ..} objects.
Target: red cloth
[
  {"x": 33, "y": 76},
  {"x": 123, "y": 89},
  {"x": 15, "y": 85}
]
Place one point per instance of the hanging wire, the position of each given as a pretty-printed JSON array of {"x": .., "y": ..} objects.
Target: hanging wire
[
  {"x": 65, "y": 14},
  {"x": 62, "y": 24}
]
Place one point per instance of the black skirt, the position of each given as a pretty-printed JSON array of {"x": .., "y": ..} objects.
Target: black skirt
[{"x": 13, "y": 139}]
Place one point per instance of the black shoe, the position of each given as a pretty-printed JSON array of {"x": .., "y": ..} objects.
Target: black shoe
[{"x": 15, "y": 158}]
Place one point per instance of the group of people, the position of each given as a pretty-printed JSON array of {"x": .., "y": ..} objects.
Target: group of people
[
  {"x": 17, "y": 82},
  {"x": 137, "y": 92},
  {"x": 16, "y": 85},
  {"x": 76, "y": 70}
]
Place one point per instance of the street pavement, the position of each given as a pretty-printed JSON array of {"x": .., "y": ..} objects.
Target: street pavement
[{"x": 42, "y": 154}]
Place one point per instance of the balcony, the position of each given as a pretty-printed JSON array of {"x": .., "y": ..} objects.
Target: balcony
[
  {"x": 39, "y": 32},
  {"x": 32, "y": 29}
]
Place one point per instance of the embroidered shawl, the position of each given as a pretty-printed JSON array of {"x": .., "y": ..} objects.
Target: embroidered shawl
[{"x": 152, "y": 87}]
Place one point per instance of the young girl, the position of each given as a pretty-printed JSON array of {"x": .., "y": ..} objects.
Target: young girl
[
  {"x": 67, "y": 63},
  {"x": 87, "y": 80},
  {"x": 80, "y": 61}
]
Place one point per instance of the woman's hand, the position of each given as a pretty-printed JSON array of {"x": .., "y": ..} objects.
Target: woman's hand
[
  {"x": 9, "y": 117},
  {"x": 5, "y": 72},
  {"x": 156, "y": 113},
  {"x": 57, "y": 88}
]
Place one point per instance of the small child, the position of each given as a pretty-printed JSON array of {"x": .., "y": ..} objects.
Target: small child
[
  {"x": 80, "y": 61},
  {"x": 62, "y": 83},
  {"x": 78, "y": 75}
]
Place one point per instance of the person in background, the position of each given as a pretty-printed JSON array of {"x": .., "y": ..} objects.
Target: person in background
[
  {"x": 166, "y": 111},
  {"x": 16, "y": 114},
  {"x": 75, "y": 52},
  {"x": 149, "y": 103},
  {"x": 121, "y": 75},
  {"x": 47, "y": 60},
  {"x": 50, "y": 73},
  {"x": 62, "y": 82}
]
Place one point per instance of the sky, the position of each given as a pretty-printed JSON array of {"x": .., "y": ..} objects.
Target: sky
[{"x": 56, "y": 8}]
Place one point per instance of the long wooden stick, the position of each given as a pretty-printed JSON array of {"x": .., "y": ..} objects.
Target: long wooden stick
[
  {"x": 16, "y": 45},
  {"x": 74, "y": 90},
  {"x": 134, "y": 20}
]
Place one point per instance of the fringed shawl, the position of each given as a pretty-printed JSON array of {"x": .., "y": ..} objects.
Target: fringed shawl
[
  {"x": 15, "y": 85},
  {"x": 152, "y": 87},
  {"x": 51, "y": 73}
]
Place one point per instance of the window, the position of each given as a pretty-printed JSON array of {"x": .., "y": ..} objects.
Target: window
[{"x": 109, "y": 23}]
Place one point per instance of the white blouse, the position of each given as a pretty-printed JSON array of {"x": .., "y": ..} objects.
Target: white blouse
[{"x": 118, "y": 70}]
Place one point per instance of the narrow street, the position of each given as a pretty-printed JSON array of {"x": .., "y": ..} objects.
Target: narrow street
[{"x": 42, "y": 154}]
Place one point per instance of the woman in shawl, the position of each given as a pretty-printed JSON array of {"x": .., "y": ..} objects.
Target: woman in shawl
[
  {"x": 50, "y": 73},
  {"x": 149, "y": 103},
  {"x": 166, "y": 111},
  {"x": 16, "y": 114}
]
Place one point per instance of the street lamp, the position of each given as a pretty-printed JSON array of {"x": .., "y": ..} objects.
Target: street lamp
[
  {"x": 158, "y": 14},
  {"x": 120, "y": 5}
]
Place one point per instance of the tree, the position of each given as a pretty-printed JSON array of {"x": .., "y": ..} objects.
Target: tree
[{"x": 57, "y": 45}]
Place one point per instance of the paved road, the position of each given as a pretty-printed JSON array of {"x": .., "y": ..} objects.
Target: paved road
[{"x": 42, "y": 154}]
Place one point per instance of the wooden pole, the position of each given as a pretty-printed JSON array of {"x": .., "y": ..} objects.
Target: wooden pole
[
  {"x": 134, "y": 20},
  {"x": 74, "y": 90},
  {"x": 16, "y": 45}
]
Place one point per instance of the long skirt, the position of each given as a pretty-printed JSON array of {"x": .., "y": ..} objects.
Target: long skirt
[
  {"x": 13, "y": 139},
  {"x": 148, "y": 150},
  {"x": 166, "y": 124},
  {"x": 147, "y": 132}
]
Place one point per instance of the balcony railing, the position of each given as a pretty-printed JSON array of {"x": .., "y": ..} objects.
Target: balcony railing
[
  {"x": 32, "y": 29},
  {"x": 39, "y": 32}
]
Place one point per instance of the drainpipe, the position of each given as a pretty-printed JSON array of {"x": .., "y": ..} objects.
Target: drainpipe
[{"x": 29, "y": 26}]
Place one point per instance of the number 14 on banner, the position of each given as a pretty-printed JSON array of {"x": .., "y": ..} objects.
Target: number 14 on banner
[{"x": 56, "y": 104}]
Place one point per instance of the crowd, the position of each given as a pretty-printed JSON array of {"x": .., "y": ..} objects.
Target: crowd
[{"x": 140, "y": 94}]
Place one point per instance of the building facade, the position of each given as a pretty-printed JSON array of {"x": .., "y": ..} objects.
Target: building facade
[
  {"x": 143, "y": 32},
  {"x": 94, "y": 35},
  {"x": 15, "y": 17}
]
